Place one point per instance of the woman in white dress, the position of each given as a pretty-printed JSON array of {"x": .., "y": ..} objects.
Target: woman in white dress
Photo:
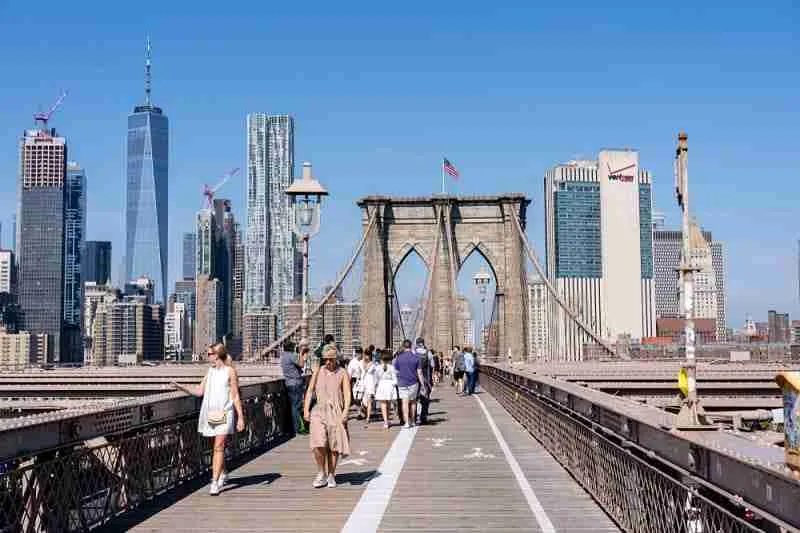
[
  {"x": 366, "y": 384},
  {"x": 220, "y": 392},
  {"x": 386, "y": 390}
]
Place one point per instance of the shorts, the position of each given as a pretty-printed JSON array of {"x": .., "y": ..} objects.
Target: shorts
[
  {"x": 409, "y": 393},
  {"x": 458, "y": 374}
]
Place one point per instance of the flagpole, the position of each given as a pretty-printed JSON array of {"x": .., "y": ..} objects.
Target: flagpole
[{"x": 441, "y": 171}]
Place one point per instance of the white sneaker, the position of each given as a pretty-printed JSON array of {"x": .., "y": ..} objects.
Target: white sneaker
[
  {"x": 406, "y": 426},
  {"x": 223, "y": 477},
  {"x": 214, "y": 490},
  {"x": 386, "y": 425},
  {"x": 319, "y": 481},
  {"x": 331, "y": 481}
]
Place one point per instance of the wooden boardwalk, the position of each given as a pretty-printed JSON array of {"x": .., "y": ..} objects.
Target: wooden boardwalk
[{"x": 452, "y": 475}]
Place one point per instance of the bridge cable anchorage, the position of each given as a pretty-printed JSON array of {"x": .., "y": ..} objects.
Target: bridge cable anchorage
[
  {"x": 348, "y": 266},
  {"x": 552, "y": 290}
]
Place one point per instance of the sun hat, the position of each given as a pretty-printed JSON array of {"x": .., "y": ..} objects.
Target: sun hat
[{"x": 330, "y": 353}]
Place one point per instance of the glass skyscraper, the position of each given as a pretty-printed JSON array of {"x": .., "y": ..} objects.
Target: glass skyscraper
[
  {"x": 147, "y": 215},
  {"x": 271, "y": 252},
  {"x": 189, "y": 251},
  {"x": 96, "y": 262},
  {"x": 43, "y": 165},
  {"x": 74, "y": 235}
]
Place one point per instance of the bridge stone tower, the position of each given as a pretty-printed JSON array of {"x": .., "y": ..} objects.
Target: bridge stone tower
[{"x": 445, "y": 230}]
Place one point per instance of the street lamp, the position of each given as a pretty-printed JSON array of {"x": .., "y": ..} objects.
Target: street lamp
[
  {"x": 481, "y": 280},
  {"x": 306, "y": 196}
]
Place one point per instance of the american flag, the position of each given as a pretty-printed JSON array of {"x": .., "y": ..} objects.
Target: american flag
[{"x": 449, "y": 168}]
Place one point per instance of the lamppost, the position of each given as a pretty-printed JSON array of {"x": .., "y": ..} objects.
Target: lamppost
[
  {"x": 691, "y": 415},
  {"x": 481, "y": 280},
  {"x": 306, "y": 196}
]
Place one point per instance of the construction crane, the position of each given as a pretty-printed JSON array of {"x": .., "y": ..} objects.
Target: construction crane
[
  {"x": 209, "y": 192},
  {"x": 41, "y": 118}
]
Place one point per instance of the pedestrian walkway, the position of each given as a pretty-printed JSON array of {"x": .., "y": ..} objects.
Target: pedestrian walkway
[{"x": 472, "y": 469}]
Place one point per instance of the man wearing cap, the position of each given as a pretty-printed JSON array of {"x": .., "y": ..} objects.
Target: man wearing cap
[{"x": 409, "y": 378}]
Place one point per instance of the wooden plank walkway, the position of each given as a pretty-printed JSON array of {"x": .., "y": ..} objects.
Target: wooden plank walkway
[{"x": 456, "y": 477}]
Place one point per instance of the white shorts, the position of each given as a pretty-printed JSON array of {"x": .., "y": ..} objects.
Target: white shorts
[{"x": 410, "y": 392}]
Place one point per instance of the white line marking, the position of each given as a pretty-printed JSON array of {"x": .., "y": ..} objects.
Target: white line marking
[
  {"x": 533, "y": 502},
  {"x": 369, "y": 511}
]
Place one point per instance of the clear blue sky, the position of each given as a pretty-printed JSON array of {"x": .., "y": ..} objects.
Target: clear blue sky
[{"x": 380, "y": 90}]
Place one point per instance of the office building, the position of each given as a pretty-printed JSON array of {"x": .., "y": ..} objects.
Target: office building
[
  {"x": 40, "y": 258},
  {"x": 10, "y": 314},
  {"x": 127, "y": 332},
  {"x": 20, "y": 350},
  {"x": 271, "y": 252},
  {"x": 237, "y": 294},
  {"x": 177, "y": 326},
  {"x": 186, "y": 293},
  {"x": 778, "y": 330},
  {"x": 598, "y": 228},
  {"x": 189, "y": 251},
  {"x": 8, "y": 277},
  {"x": 142, "y": 287},
  {"x": 74, "y": 235},
  {"x": 465, "y": 324},
  {"x": 795, "y": 332},
  {"x": 96, "y": 262},
  {"x": 205, "y": 243},
  {"x": 147, "y": 192},
  {"x": 14, "y": 233},
  {"x": 538, "y": 328},
  {"x": 667, "y": 250},
  {"x": 225, "y": 241},
  {"x": 259, "y": 330},
  {"x": 209, "y": 327},
  {"x": 97, "y": 299}
]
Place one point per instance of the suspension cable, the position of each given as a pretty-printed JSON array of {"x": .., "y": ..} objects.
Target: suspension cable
[
  {"x": 428, "y": 285},
  {"x": 291, "y": 331},
  {"x": 552, "y": 290}
]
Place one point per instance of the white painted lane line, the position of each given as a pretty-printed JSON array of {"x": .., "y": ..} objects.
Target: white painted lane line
[
  {"x": 369, "y": 511},
  {"x": 533, "y": 502}
]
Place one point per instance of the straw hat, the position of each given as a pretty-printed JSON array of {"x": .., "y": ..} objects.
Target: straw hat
[{"x": 330, "y": 353}]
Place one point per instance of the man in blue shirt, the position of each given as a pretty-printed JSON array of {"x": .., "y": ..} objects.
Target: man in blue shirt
[
  {"x": 292, "y": 365},
  {"x": 409, "y": 377},
  {"x": 471, "y": 369}
]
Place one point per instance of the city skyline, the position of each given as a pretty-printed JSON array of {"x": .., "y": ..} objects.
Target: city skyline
[{"x": 373, "y": 150}]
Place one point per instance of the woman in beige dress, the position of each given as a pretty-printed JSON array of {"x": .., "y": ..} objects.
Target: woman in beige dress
[{"x": 329, "y": 439}]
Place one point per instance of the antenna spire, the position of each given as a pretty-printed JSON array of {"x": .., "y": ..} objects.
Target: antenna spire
[{"x": 147, "y": 72}]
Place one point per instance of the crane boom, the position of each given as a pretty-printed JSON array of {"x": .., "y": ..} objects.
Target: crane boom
[
  {"x": 45, "y": 116},
  {"x": 209, "y": 192}
]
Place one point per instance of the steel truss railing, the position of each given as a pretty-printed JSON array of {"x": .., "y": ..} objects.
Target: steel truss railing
[
  {"x": 79, "y": 486},
  {"x": 640, "y": 495}
]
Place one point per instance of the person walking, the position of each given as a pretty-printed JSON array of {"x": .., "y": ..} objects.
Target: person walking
[
  {"x": 437, "y": 367},
  {"x": 458, "y": 370},
  {"x": 426, "y": 382},
  {"x": 470, "y": 369},
  {"x": 292, "y": 365},
  {"x": 386, "y": 390},
  {"x": 409, "y": 377},
  {"x": 366, "y": 386},
  {"x": 328, "y": 419},
  {"x": 354, "y": 369},
  {"x": 220, "y": 392}
]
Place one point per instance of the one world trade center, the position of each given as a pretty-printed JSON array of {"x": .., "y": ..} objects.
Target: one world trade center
[{"x": 147, "y": 192}]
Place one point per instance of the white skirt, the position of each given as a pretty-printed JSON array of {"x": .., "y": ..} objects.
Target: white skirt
[{"x": 386, "y": 391}]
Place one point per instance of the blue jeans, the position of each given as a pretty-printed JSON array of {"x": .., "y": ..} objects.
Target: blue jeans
[
  {"x": 296, "y": 393},
  {"x": 472, "y": 379}
]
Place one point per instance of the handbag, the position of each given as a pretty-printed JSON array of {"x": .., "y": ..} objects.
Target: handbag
[{"x": 217, "y": 418}]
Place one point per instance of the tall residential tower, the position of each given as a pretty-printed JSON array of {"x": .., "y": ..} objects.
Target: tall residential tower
[
  {"x": 147, "y": 216},
  {"x": 271, "y": 252}
]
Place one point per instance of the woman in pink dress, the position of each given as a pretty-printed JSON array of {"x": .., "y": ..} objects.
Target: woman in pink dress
[{"x": 328, "y": 418}]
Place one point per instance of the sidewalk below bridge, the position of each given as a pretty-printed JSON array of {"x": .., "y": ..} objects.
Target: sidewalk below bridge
[{"x": 473, "y": 468}]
